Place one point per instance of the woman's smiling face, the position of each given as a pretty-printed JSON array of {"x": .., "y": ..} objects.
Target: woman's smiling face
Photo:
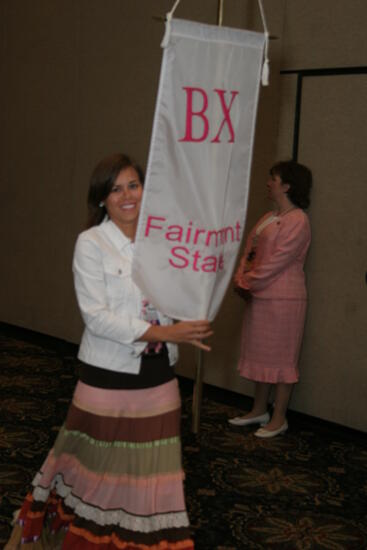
[{"x": 124, "y": 201}]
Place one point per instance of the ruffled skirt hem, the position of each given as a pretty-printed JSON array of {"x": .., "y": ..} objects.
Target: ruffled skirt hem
[
  {"x": 268, "y": 375},
  {"x": 57, "y": 528}
]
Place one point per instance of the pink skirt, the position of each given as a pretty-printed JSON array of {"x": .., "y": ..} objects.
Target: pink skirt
[{"x": 272, "y": 334}]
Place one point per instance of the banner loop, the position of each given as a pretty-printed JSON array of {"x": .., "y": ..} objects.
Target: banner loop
[{"x": 169, "y": 16}]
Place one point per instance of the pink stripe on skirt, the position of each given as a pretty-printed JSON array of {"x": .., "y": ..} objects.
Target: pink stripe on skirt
[
  {"x": 157, "y": 494},
  {"x": 136, "y": 403}
]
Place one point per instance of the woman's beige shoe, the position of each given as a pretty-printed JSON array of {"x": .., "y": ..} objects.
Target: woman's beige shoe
[
  {"x": 241, "y": 421},
  {"x": 267, "y": 434}
]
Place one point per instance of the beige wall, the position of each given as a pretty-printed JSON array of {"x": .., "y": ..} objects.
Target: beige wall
[
  {"x": 79, "y": 79},
  {"x": 332, "y": 137},
  {"x": 334, "y": 350}
]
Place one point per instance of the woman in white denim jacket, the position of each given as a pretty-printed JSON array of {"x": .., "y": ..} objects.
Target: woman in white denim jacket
[{"x": 114, "y": 476}]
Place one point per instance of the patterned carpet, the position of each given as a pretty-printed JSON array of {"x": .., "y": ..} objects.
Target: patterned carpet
[{"x": 305, "y": 490}]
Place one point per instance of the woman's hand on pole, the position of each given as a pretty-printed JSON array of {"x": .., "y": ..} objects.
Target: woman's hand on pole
[
  {"x": 182, "y": 332},
  {"x": 194, "y": 332}
]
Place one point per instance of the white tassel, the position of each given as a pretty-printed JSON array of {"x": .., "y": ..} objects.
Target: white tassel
[
  {"x": 265, "y": 73},
  {"x": 266, "y": 68}
]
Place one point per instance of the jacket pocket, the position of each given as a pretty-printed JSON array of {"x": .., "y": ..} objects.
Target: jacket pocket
[{"x": 117, "y": 276}]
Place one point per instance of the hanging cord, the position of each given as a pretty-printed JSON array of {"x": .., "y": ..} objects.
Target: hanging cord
[
  {"x": 265, "y": 69},
  {"x": 169, "y": 16}
]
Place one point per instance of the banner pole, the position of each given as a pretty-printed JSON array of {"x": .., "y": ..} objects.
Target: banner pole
[
  {"x": 198, "y": 385},
  {"x": 198, "y": 392}
]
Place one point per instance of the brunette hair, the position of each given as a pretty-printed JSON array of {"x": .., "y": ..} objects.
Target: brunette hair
[
  {"x": 101, "y": 182},
  {"x": 299, "y": 179}
]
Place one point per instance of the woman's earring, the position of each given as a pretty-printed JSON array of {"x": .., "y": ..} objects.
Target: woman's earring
[{"x": 101, "y": 204}]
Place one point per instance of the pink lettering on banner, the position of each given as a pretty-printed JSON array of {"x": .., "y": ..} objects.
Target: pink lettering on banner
[
  {"x": 182, "y": 257},
  {"x": 190, "y": 114},
  {"x": 151, "y": 226},
  {"x": 227, "y": 118},
  {"x": 191, "y": 235},
  {"x": 175, "y": 251},
  {"x": 174, "y": 233}
]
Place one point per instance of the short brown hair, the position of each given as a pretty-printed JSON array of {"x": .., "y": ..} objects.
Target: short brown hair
[{"x": 299, "y": 179}]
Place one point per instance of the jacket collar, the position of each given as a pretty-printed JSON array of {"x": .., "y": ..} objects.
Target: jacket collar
[{"x": 115, "y": 234}]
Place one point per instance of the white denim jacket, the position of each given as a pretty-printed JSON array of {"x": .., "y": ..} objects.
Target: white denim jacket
[{"x": 109, "y": 301}]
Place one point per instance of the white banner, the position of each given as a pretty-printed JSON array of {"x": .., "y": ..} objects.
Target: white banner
[{"x": 195, "y": 196}]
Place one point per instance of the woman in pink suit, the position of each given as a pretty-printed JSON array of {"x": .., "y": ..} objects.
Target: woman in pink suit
[{"x": 271, "y": 280}]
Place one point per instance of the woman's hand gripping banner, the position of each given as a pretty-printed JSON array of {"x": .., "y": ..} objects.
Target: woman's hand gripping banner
[{"x": 195, "y": 198}]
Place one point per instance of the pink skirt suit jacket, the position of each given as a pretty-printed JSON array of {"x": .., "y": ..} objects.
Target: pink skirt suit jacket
[{"x": 271, "y": 269}]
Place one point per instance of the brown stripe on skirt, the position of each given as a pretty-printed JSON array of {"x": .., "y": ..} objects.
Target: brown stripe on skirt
[{"x": 107, "y": 428}]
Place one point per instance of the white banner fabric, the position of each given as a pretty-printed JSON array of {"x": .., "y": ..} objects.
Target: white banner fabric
[{"x": 195, "y": 197}]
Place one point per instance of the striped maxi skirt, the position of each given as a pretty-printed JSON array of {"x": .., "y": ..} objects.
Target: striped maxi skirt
[{"x": 113, "y": 479}]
